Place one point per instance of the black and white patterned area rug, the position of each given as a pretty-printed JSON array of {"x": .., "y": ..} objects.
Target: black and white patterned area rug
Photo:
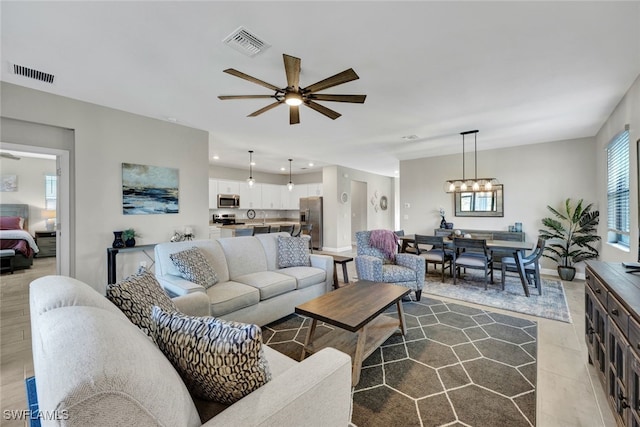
[{"x": 456, "y": 366}]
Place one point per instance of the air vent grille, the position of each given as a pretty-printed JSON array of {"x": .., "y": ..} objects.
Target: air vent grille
[
  {"x": 33, "y": 74},
  {"x": 246, "y": 42}
]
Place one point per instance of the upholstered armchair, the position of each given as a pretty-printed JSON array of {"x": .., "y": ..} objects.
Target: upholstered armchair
[{"x": 371, "y": 264}]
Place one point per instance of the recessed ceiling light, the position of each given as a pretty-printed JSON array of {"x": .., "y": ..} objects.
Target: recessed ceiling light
[
  {"x": 310, "y": 164},
  {"x": 216, "y": 157},
  {"x": 283, "y": 169},
  {"x": 253, "y": 163}
]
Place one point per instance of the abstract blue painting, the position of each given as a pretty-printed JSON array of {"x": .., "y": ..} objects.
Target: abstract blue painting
[{"x": 149, "y": 190}]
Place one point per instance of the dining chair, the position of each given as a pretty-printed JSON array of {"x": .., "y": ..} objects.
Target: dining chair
[
  {"x": 443, "y": 232},
  {"x": 408, "y": 247},
  {"x": 529, "y": 264},
  {"x": 438, "y": 254},
  {"x": 261, "y": 229},
  {"x": 243, "y": 232},
  {"x": 474, "y": 254},
  {"x": 287, "y": 229}
]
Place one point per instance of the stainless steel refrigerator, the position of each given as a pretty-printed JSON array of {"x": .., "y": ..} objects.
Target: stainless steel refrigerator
[{"x": 311, "y": 213}]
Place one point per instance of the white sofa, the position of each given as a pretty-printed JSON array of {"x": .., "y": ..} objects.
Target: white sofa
[
  {"x": 251, "y": 288},
  {"x": 93, "y": 367}
]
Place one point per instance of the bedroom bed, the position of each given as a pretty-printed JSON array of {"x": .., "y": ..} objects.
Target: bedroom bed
[{"x": 14, "y": 226}]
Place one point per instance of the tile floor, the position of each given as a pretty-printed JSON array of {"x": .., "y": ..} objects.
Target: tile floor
[{"x": 569, "y": 393}]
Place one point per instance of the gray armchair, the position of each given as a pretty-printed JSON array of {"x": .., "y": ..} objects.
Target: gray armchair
[{"x": 408, "y": 270}]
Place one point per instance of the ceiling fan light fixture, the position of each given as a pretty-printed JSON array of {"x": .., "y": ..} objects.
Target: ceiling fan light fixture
[{"x": 293, "y": 98}]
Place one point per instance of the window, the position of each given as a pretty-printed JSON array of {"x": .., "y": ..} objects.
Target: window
[
  {"x": 50, "y": 192},
  {"x": 618, "y": 190}
]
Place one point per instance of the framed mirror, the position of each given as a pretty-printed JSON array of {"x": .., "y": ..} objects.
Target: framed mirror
[{"x": 480, "y": 203}]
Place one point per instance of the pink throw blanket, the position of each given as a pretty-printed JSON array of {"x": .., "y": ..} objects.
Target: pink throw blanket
[{"x": 386, "y": 241}]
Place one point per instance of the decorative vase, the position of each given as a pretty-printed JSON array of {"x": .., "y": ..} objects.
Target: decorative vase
[
  {"x": 566, "y": 273},
  {"x": 117, "y": 241},
  {"x": 443, "y": 223},
  {"x": 131, "y": 242}
]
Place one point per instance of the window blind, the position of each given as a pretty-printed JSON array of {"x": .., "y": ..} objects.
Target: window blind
[{"x": 618, "y": 187}]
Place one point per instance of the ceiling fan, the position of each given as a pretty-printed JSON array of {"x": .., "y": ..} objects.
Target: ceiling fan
[{"x": 294, "y": 95}]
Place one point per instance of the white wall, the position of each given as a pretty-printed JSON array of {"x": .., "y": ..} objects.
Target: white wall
[
  {"x": 533, "y": 177},
  {"x": 626, "y": 113},
  {"x": 337, "y": 216},
  {"x": 104, "y": 139},
  {"x": 31, "y": 185}
]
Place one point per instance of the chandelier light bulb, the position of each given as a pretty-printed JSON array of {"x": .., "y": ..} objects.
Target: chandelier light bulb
[
  {"x": 452, "y": 186},
  {"x": 488, "y": 186},
  {"x": 463, "y": 187},
  {"x": 476, "y": 186}
]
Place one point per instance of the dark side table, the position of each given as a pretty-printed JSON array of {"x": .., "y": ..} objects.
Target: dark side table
[
  {"x": 111, "y": 258},
  {"x": 342, "y": 260}
]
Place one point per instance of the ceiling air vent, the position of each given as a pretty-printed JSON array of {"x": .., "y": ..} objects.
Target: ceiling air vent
[
  {"x": 245, "y": 42},
  {"x": 33, "y": 74}
]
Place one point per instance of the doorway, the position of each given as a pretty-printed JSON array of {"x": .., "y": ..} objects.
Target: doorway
[
  {"x": 40, "y": 170},
  {"x": 358, "y": 208}
]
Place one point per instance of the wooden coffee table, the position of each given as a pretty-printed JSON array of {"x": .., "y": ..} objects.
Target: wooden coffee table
[{"x": 356, "y": 312}]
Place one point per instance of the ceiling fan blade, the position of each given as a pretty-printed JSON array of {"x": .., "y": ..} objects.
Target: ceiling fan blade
[
  {"x": 294, "y": 114},
  {"x": 244, "y": 96},
  {"x": 323, "y": 110},
  {"x": 338, "y": 79},
  {"x": 264, "y": 109},
  {"x": 251, "y": 79},
  {"x": 359, "y": 99},
  {"x": 292, "y": 68}
]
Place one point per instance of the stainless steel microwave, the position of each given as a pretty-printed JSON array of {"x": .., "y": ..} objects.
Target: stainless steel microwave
[{"x": 228, "y": 201}]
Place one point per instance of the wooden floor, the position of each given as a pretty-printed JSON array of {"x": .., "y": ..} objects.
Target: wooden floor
[{"x": 16, "y": 362}]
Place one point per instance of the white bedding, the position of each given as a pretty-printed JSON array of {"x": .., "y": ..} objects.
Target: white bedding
[{"x": 20, "y": 235}]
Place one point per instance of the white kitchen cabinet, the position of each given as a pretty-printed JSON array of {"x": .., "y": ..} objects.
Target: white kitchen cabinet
[
  {"x": 297, "y": 192},
  {"x": 314, "y": 190},
  {"x": 250, "y": 197},
  {"x": 271, "y": 196},
  {"x": 213, "y": 194},
  {"x": 229, "y": 187},
  {"x": 214, "y": 232}
]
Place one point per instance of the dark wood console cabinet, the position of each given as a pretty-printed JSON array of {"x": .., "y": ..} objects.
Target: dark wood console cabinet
[{"x": 612, "y": 334}]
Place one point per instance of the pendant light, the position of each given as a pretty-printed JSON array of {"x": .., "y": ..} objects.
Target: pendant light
[
  {"x": 476, "y": 184},
  {"x": 290, "y": 184},
  {"x": 250, "y": 180}
]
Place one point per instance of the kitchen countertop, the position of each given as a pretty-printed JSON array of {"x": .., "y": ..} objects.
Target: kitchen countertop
[{"x": 251, "y": 224}]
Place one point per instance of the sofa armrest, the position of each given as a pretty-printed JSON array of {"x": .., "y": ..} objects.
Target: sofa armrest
[
  {"x": 369, "y": 268},
  {"x": 193, "y": 304},
  {"x": 324, "y": 262},
  {"x": 415, "y": 263},
  {"x": 314, "y": 392},
  {"x": 177, "y": 285}
]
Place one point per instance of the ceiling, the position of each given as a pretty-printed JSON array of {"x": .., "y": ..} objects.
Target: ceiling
[{"x": 520, "y": 72}]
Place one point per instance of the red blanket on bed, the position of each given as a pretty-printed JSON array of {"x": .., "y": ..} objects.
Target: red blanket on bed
[{"x": 20, "y": 246}]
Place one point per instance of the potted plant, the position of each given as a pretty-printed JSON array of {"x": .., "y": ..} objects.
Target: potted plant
[
  {"x": 129, "y": 236},
  {"x": 571, "y": 236}
]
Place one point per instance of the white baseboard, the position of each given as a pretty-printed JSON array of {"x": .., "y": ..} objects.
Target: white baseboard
[
  {"x": 342, "y": 249},
  {"x": 554, "y": 272}
]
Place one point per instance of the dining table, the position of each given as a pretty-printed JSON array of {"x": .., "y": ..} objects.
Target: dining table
[{"x": 517, "y": 248}]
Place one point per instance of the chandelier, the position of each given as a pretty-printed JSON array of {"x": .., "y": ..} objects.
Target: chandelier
[{"x": 475, "y": 184}]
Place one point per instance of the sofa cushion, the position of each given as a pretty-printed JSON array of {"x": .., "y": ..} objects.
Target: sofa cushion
[
  {"x": 194, "y": 267},
  {"x": 244, "y": 255},
  {"x": 269, "y": 283},
  {"x": 136, "y": 295},
  {"x": 293, "y": 252},
  {"x": 231, "y": 296},
  {"x": 397, "y": 273},
  {"x": 219, "y": 360},
  {"x": 305, "y": 276}
]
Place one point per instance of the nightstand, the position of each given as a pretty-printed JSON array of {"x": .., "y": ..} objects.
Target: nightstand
[{"x": 46, "y": 241}]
